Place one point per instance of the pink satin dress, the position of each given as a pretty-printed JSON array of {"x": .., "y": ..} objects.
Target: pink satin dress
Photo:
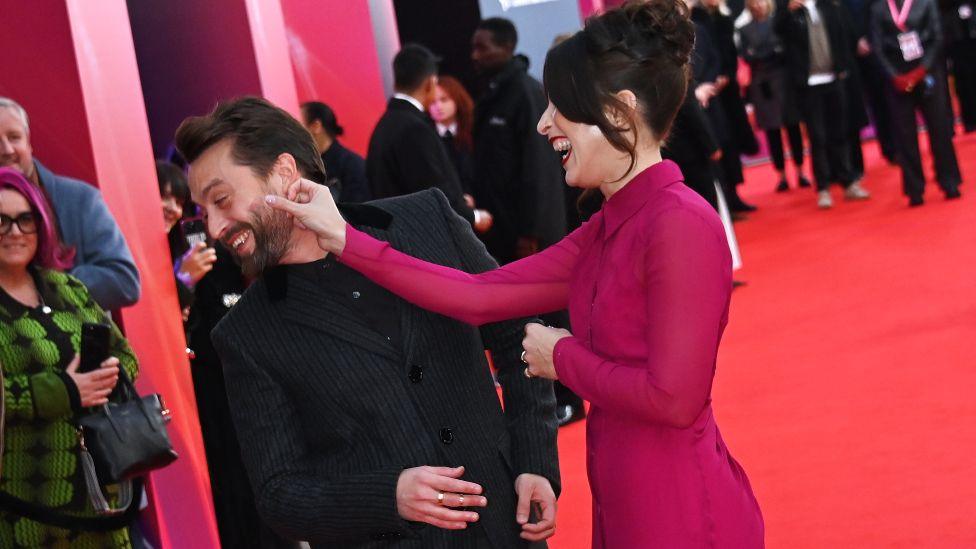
[{"x": 647, "y": 282}]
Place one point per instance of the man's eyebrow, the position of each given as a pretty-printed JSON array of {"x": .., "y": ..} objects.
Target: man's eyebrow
[{"x": 209, "y": 187}]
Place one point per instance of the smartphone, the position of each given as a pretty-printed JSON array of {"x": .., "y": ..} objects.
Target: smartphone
[
  {"x": 94, "y": 346},
  {"x": 195, "y": 231}
]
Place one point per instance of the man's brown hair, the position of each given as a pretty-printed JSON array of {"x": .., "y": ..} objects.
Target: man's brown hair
[{"x": 260, "y": 132}]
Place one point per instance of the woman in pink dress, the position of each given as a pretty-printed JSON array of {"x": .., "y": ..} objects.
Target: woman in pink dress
[{"x": 647, "y": 283}]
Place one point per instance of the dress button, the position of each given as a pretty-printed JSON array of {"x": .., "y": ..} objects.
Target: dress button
[
  {"x": 416, "y": 374},
  {"x": 355, "y": 295},
  {"x": 447, "y": 436}
]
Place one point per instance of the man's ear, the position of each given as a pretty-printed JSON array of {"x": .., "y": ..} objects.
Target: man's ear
[{"x": 286, "y": 169}]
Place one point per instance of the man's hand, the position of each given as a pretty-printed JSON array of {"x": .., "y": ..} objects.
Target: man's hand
[
  {"x": 483, "y": 220},
  {"x": 534, "y": 490},
  {"x": 704, "y": 93},
  {"x": 427, "y": 494}
]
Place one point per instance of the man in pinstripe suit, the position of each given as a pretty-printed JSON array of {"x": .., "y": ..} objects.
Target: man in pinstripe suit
[{"x": 364, "y": 421}]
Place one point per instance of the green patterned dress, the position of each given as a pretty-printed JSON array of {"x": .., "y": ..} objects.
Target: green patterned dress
[{"x": 40, "y": 455}]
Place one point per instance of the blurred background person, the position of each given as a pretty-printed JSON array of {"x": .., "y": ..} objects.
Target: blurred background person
[
  {"x": 738, "y": 137},
  {"x": 872, "y": 82},
  {"x": 405, "y": 153},
  {"x": 453, "y": 113},
  {"x": 773, "y": 97},
  {"x": 103, "y": 262},
  {"x": 906, "y": 36},
  {"x": 518, "y": 177},
  {"x": 817, "y": 35},
  {"x": 345, "y": 170},
  {"x": 190, "y": 263},
  {"x": 959, "y": 23},
  {"x": 42, "y": 310}
]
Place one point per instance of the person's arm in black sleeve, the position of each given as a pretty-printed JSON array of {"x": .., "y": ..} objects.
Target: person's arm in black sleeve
[
  {"x": 877, "y": 39},
  {"x": 933, "y": 24},
  {"x": 291, "y": 495}
]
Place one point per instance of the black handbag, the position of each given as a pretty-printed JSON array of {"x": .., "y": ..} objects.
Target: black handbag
[{"x": 121, "y": 441}]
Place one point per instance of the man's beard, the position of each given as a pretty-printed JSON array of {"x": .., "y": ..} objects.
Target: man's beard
[{"x": 271, "y": 231}]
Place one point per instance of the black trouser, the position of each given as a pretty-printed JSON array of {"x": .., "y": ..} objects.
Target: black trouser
[
  {"x": 874, "y": 82},
  {"x": 774, "y": 140},
  {"x": 932, "y": 102},
  {"x": 825, "y": 113},
  {"x": 963, "y": 55}
]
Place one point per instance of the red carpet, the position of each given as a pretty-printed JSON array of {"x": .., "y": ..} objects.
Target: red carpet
[{"x": 846, "y": 377}]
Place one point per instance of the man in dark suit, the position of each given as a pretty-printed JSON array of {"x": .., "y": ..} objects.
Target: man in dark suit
[
  {"x": 364, "y": 421},
  {"x": 819, "y": 36},
  {"x": 405, "y": 152},
  {"x": 345, "y": 169},
  {"x": 518, "y": 177}
]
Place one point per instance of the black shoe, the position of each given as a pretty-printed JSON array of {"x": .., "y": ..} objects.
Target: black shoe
[
  {"x": 783, "y": 186},
  {"x": 953, "y": 194},
  {"x": 739, "y": 206},
  {"x": 569, "y": 414},
  {"x": 804, "y": 183},
  {"x": 915, "y": 201}
]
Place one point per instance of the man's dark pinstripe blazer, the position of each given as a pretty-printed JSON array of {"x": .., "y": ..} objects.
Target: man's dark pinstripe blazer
[{"x": 329, "y": 412}]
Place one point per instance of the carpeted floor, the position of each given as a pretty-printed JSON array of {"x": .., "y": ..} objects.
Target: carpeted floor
[{"x": 846, "y": 377}]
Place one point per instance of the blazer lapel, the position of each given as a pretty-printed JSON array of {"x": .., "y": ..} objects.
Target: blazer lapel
[{"x": 307, "y": 305}]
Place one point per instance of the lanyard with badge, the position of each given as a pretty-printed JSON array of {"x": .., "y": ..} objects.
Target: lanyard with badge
[{"x": 908, "y": 41}]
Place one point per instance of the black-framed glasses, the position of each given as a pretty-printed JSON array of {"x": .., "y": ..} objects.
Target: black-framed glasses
[{"x": 26, "y": 222}]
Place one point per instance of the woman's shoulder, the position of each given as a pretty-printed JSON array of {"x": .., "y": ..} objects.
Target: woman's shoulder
[{"x": 64, "y": 285}]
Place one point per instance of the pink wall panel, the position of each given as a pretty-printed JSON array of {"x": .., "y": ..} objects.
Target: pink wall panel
[
  {"x": 271, "y": 53},
  {"x": 113, "y": 106},
  {"x": 333, "y": 53},
  {"x": 39, "y": 72}
]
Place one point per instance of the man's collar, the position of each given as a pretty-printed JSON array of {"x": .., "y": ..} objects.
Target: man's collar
[
  {"x": 358, "y": 215},
  {"x": 410, "y": 99}
]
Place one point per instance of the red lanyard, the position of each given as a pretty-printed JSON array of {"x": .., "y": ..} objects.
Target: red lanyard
[{"x": 899, "y": 17}]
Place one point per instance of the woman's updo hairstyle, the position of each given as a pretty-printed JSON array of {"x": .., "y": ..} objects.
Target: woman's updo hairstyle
[{"x": 642, "y": 46}]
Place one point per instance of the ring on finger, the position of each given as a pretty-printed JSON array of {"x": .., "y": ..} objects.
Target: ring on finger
[
  {"x": 440, "y": 498},
  {"x": 522, "y": 358},
  {"x": 528, "y": 374},
  {"x": 460, "y": 500}
]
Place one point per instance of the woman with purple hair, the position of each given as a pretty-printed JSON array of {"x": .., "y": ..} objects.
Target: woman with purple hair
[{"x": 42, "y": 310}]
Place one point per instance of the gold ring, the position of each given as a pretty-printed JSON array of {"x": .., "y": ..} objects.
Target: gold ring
[
  {"x": 528, "y": 374},
  {"x": 440, "y": 498},
  {"x": 460, "y": 500},
  {"x": 522, "y": 358}
]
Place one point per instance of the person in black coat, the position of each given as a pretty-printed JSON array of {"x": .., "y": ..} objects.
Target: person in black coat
[
  {"x": 693, "y": 147},
  {"x": 959, "y": 22},
  {"x": 711, "y": 78},
  {"x": 363, "y": 419},
  {"x": 346, "y": 170},
  {"x": 818, "y": 39},
  {"x": 405, "y": 152},
  {"x": 912, "y": 57},
  {"x": 770, "y": 90},
  {"x": 518, "y": 176}
]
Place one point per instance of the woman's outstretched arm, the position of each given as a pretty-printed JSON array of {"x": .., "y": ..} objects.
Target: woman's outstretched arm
[{"x": 536, "y": 284}]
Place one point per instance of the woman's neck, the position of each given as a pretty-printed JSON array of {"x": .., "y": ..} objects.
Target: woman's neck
[
  {"x": 19, "y": 285},
  {"x": 645, "y": 159}
]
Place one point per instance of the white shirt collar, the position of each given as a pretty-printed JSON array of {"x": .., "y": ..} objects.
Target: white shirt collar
[
  {"x": 413, "y": 101},
  {"x": 442, "y": 129}
]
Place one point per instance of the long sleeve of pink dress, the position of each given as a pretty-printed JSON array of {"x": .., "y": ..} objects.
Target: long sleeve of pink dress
[{"x": 647, "y": 282}]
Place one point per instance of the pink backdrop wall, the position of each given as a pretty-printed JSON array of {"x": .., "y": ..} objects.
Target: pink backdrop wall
[
  {"x": 334, "y": 60},
  {"x": 76, "y": 74}
]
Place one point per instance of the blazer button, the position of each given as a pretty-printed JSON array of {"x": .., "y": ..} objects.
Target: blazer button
[
  {"x": 416, "y": 374},
  {"x": 447, "y": 436}
]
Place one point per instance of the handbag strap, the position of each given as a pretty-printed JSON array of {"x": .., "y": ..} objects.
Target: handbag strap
[
  {"x": 95, "y": 495},
  {"x": 46, "y": 515}
]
